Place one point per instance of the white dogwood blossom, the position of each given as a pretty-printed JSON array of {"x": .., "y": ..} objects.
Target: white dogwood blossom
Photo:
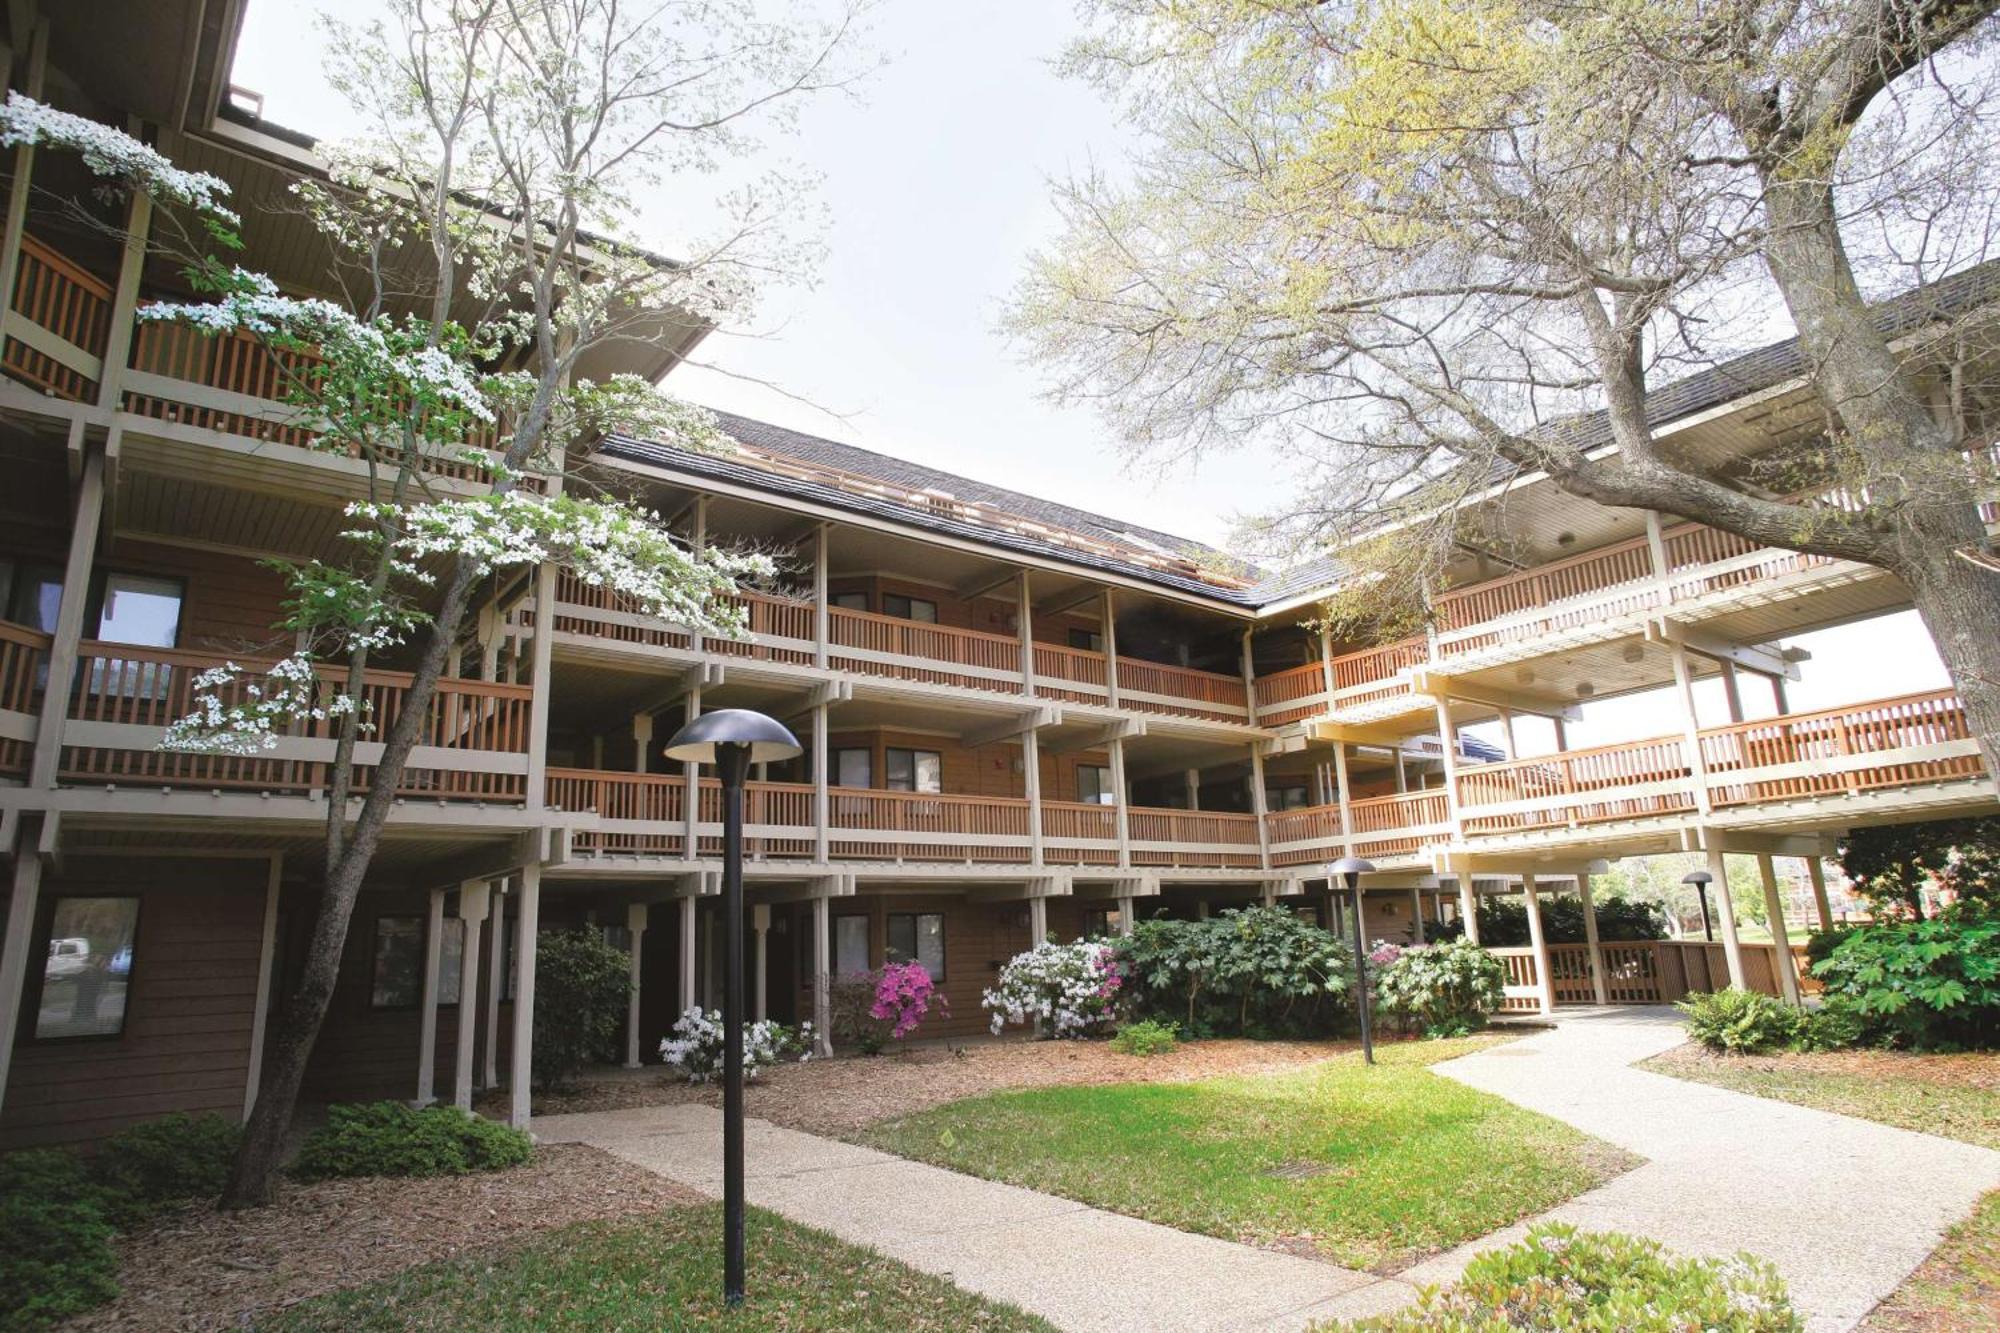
[
  {"x": 112, "y": 152},
  {"x": 243, "y": 713}
]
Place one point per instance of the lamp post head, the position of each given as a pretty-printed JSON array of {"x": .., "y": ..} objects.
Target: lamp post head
[
  {"x": 1701, "y": 879},
  {"x": 1352, "y": 868},
  {"x": 767, "y": 738}
]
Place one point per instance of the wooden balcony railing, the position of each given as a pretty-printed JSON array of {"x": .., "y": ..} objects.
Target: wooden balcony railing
[
  {"x": 57, "y": 324},
  {"x": 1290, "y": 695},
  {"x": 1075, "y": 674},
  {"x": 927, "y": 826},
  {"x": 1077, "y": 833},
  {"x": 24, "y": 658},
  {"x": 472, "y": 746},
  {"x": 1384, "y": 826},
  {"x": 1155, "y": 687},
  {"x": 1192, "y": 838},
  {"x": 880, "y": 645},
  {"x": 1635, "y": 971}
]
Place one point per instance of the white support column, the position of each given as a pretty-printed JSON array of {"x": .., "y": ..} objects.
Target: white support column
[
  {"x": 1448, "y": 744},
  {"x": 1599, "y": 983},
  {"x": 527, "y": 922},
  {"x": 1816, "y": 871},
  {"x": 1468, "y": 906},
  {"x": 427, "y": 1007},
  {"x": 88, "y": 515},
  {"x": 1416, "y": 915},
  {"x": 1544, "y": 977},
  {"x": 1562, "y": 733},
  {"x": 267, "y": 949},
  {"x": 22, "y": 905},
  {"x": 1024, "y": 599},
  {"x": 1774, "y": 910},
  {"x": 1507, "y": 741},
  {"x": 823, "y": 972},
  {"x": 1260, "y": 805},
  {"x": 1326, "y": 664},
  {"x": 760, "y": 925},
  {"x": 1343, "y": 796},
  {"x": 1031, "y": 781},
  {"x": 1191, "y": 787},
  {"x": 1126, "y": 914},
  {"x": 1038, "y": 920},
  {"x": 1121, "y": 812},
  {"x": 472, "y": 901},
  {"x": 691, "y": 785},
  {"x": 1690, "y": 726},
  {"x": 1110, "y": 637},
  {"x": 1725, "y": 908},
  {"x": 1402, "y": 777},
  {"x": 1656, "y": 548},
  {"x": 642, "y": 740},
  {"x": 1732, "y": 691},
  {"x": 125, "y": 300},
  {"x": 685, "y": 978},
  {"x": 822, "y": 613},
  {"x": 635, "y": 926},
  {"x": 822, "y": 800},
  {"x": 544, "y": 656},
  {"x": 496, "y": 979}
]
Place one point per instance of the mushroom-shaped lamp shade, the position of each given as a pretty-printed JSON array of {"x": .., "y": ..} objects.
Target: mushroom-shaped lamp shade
[
  {"x": 1351, "y": 868},
  {"x": 768, "y": 738},
  {"x": 1701, "y": 879}
]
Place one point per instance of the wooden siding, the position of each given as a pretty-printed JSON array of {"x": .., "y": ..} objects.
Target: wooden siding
[{"x": 186, "y": 1043}]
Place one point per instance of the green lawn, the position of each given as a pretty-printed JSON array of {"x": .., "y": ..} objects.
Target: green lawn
[
  {"x": 661, "y": 1271},
  {"x": 1372, "y": 1168}
]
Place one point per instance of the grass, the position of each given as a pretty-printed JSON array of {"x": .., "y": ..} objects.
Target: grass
[
  {"x": 1371, "y": 1168},
  {"x": 663, "y": 1270},
  {"x": 1956, "y": 1290}
]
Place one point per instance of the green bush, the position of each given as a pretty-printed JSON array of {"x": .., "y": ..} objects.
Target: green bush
[
  {"x": 1148, "y": 1036},
  {"x": 582, "y": 990},
  {"x": 56, "y": 1258},
  {"x": 1820, "y": 944},
  {"x": 1837, "y": 1024},
  {"x": 1602, "y": 1282},
  {"x": 1741, "y": 1022},
  {"x": 1445, "y": 990},
  {"x": 392, "y": 1139},
  {"x": 1928, "y": 984},
  {"x": 1252, "y": 971},
  {"x": 163, "y": 1162},
  {"x": 1503, "y": 922},
  {"x": 855, "y": 1027}
]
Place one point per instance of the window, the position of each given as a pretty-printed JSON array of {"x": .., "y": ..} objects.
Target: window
[
  {"x": 1087, "y": 639},
  {"x": 34, "y": 595},
  {"x": 851, "y": 601},
  {"x": 138, "y": 610},
  {"x": 88, "y": 969},
  {"x": 909, "y": 608},
  {"x": 398, "y": 975},
  {"x": 1285, "y": 798},
  {"x": 1093, "y": 785},
  {"x": 854, "y": 768},
  {"x": 913, "y": 770},
  {"x": 850, "y": 945},
  {"x": 918, "y": 937}
]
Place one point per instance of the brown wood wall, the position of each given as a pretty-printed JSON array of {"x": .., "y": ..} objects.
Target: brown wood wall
[{"x": 189, "y": 1009}]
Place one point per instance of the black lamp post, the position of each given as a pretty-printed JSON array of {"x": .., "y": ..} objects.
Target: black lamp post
[
  {"x": 1351, "y": 869},
  {"x": 732, "y": 739},
  {"x": 1701, "y": 879}
]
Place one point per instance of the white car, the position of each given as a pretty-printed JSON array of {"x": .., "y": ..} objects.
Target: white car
[{"x": 68, "y": 957}]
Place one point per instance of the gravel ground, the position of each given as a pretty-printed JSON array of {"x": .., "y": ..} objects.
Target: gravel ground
[
  {"x": 841, "y": 1096},
  {"x": 203, "y": 1269}
]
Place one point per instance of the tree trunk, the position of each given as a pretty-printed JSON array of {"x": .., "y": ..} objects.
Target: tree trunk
[{"x": 1960, "y": 606}]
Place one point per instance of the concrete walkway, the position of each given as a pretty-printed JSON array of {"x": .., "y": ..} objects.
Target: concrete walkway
[{"x": 1845, "y": 1208}]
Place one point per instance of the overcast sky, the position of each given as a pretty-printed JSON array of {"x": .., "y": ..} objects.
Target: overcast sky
[{"x": 935, "y": 177}]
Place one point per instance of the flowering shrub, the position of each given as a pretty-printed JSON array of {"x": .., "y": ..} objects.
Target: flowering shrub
[
  {"x": 852, "y": 1014},
  {"x": 1445, "y": 989},
  {"x": 1073, "y": 988},
  {"x": 904, "y": 994},
  {"x": 696, "y": 1046},
  {"x": 1247, "y": 971},
  {"x": 1599, "y": 1282}
]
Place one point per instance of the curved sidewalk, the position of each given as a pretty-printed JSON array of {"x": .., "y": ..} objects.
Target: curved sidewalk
[{"x": 1845, "y": 1208}]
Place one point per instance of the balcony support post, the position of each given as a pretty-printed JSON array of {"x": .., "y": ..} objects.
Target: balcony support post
[
  {"x": 1260, "y": 805},
  {"x": 496, "y": 979},
  {"x": 1732, "y": 691},
  {"x": 1448, "y": 745},
  {"x": 642, "y": 740},
  {"x": 760, "y": 926},
  {"x": 69, "y": 617},
  {"x": 1110, "y": 637},
  {"x": 700, "y": 544},
  {"x": 1345, "y": 797},
  {"x": 1123, "y": 807},
  {"x": 427, "y": 1007},
  {"x": 635, "y": 926},
  {"x": 544, "y": 658},
  {"x": 520, "y": 1081},
  {"x": 822, "y": 802},
  {"x": 1725, "y": 908},
  {"x": 1024, "y": 599},
  {"x": 125, "y": 298},
  {"x": 473, "y": 896},
  {"x": 1031, "y": 779},
  {"x": 823, "y": 972},
  {"x": 24, "y": 173},
  {"x": 1691, "y": 736},
  {"x": 691, "y": 790},
  {"x": 22, "y": 905},
  {"x": 1326, "y": 664},
  {"x": 1507, "y": 734},
  {"x": 1774, "y": 911},
  {"x": 1125, "y": 914},
  {"x": 1191, "y": 788},
  {"x": 1038, "y": 919},
  {"x": 266, "y": 963},
  {"x": 1656, "y": 550},
  {"x": 1544, "y": 978},
  {"x": 1816, "y": 871},
  {"x": 1599, "y": 984},
  {"x": 686, "y": 943},
  {"x": 1416, "y": 915},
  {"x": 822, "y": 622},
  {"x": 1468, "y": 905}
]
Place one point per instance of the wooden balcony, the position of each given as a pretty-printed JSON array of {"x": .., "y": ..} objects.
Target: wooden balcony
[
  {"x": 781, "y": 630},
  {"x": 1638, "y": 972},
  {"x": 57, "y": 323},
  {"x": 473, "y": 745},
  {"x": 24, "y": 658},
  {"x": 1385, "y": 827}
]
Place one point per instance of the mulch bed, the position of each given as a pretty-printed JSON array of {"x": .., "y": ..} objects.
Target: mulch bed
[
  {"x": 1970, "y": 1070},
  {"x": 203, "y": 1269},
  {"x": 842, "y": 1096}
]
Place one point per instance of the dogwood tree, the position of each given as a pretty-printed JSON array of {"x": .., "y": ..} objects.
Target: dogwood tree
[
  {"x": 482, "y": 229},
  {"x": 1424, "y": 244}
]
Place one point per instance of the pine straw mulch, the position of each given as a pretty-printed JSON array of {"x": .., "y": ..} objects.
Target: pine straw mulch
[
  {"x": 203, "y": 1269},
  {"x": 1974, "y": 1069},
  {"x": 844, "y": 1095}
]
